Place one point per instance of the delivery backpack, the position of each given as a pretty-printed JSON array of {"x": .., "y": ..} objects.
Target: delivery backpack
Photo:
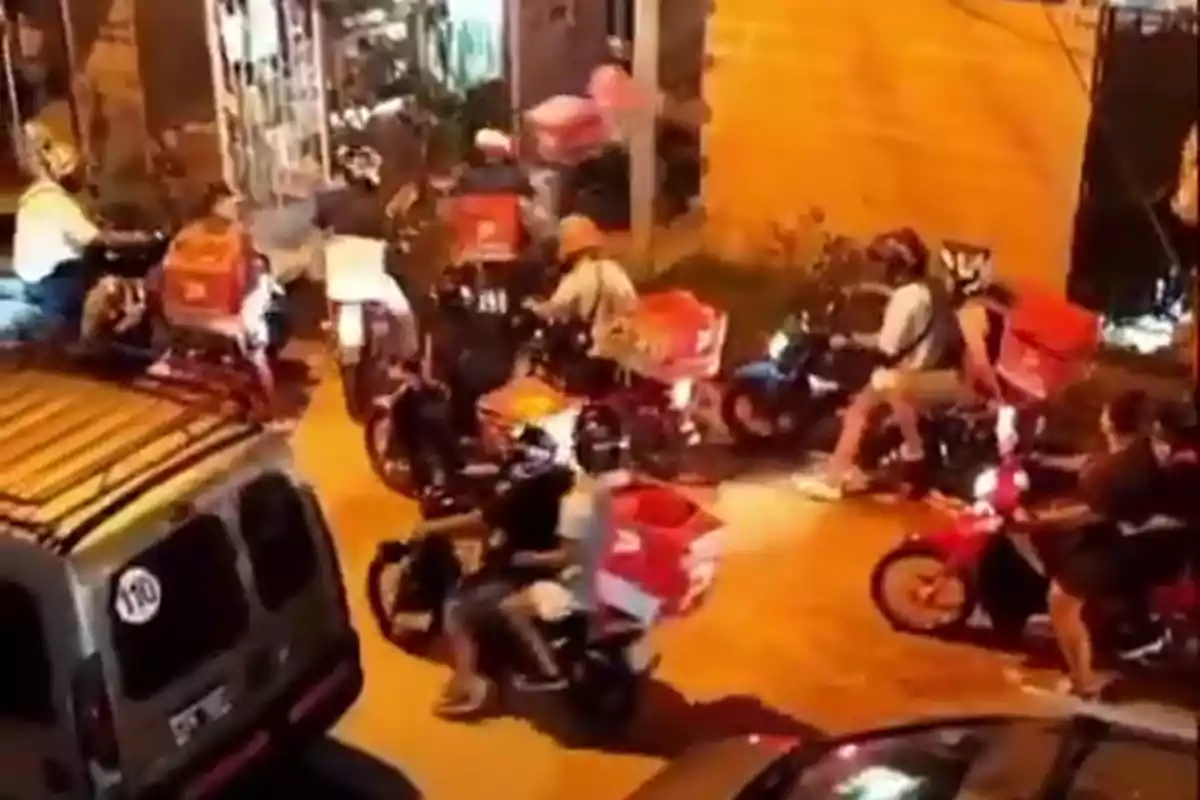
[{"x": 206, "y": 273}]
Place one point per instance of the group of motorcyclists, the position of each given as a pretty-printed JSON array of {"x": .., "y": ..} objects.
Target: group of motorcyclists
[{"x": 932, "y": 347}]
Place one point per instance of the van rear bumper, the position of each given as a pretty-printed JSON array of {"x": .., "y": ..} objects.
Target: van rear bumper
[{"x": 312, "y": 704}]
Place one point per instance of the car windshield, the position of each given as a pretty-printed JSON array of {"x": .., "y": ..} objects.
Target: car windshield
[{"x": 989, "y": 761}]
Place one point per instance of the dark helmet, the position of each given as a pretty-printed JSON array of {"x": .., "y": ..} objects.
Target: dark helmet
[
  {"x": 902, "y": 253},
  {"x": 359, "y": 165},
  {"x": 454, "y": 289},
  {"x": 533, "y": 453},
  {"x": 600, "y": 442}
]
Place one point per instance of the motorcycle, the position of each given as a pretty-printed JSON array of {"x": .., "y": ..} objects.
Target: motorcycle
[
  {"x": 799, "y": 386},
  {"x": 936, "y": 583},
  {"x": 659, "y": 416},
  {"x": 607, "y": 660}
]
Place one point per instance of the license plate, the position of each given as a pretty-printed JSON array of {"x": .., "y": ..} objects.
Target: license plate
[
  {"x": 186, "y": 723},
  {"x": 350, "y": 325}
]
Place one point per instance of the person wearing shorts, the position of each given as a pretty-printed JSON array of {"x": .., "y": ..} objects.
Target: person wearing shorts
[
  {"x": 1080, "y": 544},
  {"x": 966, "y": 373}
]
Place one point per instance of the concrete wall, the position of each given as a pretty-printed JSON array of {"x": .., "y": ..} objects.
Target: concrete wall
[
  {"x": 965, "y": 119},
  {"x": 560, "y": 42}
]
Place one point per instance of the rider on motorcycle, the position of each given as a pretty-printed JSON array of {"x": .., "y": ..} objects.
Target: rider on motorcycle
[
  {"x": 601, "y": 451},
  {"x": 494, "y": 222},
  {"x": 1080, "y": 544},
  {"x": 907, "y": 343},
  {"x": 594, "y": 291},
  {"x": 354, "y": 219},
  {"x": 966, "y": 370},
  {"x": 246, "y": 274},
  {"x": 53, "y": 232},
  {"x": 525, "y": 515}
]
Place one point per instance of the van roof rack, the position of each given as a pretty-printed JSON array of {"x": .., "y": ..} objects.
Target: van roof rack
[{"x": 76, "y": 450}]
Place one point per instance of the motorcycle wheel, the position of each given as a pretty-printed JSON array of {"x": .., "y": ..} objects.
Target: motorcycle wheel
[
  {"x": 748, "y": 423},
  {"x": 604, "y": 692},
  {"x": 393, "y": 471},
  {"x": 391, "y": 579},
  {"x": 942, "y": 618},
  {"x": 656, "y": 446}
]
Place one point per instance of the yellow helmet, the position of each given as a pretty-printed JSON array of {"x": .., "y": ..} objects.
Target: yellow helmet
[
  {"x": 577, "y": 234},
  {"x": 51, "y": 155}
]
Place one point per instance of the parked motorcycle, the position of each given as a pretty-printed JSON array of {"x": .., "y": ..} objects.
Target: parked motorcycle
[
  {"x": 935, "y": 583},
  {"x": 408, "y": 583}
]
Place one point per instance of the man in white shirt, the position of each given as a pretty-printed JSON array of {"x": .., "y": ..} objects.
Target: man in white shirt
[
  {"x": 595, "y": 290},
  {"x": 907, "y": 342},
  {"x": 53, "y": 232}
]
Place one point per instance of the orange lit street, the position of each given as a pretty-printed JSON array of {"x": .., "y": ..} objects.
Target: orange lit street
[{"x": 788, "y": 640}]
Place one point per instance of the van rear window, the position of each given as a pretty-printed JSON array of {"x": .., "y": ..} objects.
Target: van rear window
[
  {"x": 177, "y": 605},
  {"x": 25, "y": 670},
  {"x": 275, "y": 528}
]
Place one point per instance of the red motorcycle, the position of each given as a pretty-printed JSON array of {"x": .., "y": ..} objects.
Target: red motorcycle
[{"x": 936, "y": 583}]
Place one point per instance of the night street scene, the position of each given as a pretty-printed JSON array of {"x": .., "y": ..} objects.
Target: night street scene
[{"x": 599, "y": 400}]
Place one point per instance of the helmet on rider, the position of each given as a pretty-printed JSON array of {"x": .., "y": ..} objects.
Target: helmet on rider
[
  {"x": 601, "y": 446},
  {"x": 51, "y": 157},
  {"x": 493, "y": 144},
  {"x": 360, "y": 165},
  {"x": 578, "y": 235},
  {"x": 534, "y": 452},
  {"x": 902, "y": 253},
  {"x": 969, "y": 270}
]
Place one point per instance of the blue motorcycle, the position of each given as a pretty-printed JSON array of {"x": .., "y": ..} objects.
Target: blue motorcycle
[
  {"x": 781, "y": 398},
  {"x": 792, "y": 394}
]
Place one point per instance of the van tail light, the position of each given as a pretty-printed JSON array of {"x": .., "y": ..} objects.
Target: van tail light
[{"x": 93, "y": 715}]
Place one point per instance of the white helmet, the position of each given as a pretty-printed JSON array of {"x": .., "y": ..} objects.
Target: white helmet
[
  {"x": 969, "y": 267},
  {"x": 492, "y": 141}
]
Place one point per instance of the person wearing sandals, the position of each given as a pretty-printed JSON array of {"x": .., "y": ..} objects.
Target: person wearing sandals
[
  {"x": 1080, "y": 543},
  {"x": 907, "y": 342}
]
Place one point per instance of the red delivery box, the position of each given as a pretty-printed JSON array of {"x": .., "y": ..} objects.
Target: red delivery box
[
  {"x": 1048, "y": 343},
  {"x": 486, "y": 227},
  {"x": 205, "y": 273},
  {"x": 662, "y": 554},
  {"x": 670, "y": 336}
]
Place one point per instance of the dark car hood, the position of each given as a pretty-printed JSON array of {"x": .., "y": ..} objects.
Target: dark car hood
[{"x": 714, "y": 771}]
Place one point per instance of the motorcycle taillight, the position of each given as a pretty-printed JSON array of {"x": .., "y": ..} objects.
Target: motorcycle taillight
[{"x": 94, "y": 727}]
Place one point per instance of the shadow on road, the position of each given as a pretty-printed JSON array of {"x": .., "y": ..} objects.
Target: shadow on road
[
  {"x": 328, "y": 769},
  {"x": 670, "y": 724}
]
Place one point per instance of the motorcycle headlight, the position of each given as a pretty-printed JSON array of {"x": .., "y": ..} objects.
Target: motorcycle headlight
[
  {"x": 681, "y": 394},
  {"x": 777, "y": 345},
  {"x": 985, "y": 484}
]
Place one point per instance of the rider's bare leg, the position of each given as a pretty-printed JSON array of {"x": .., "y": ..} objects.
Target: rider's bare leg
[
  {"x": 266, "y": 376},
  {"x": 520, "y": 612},
  {"x": 467, "y": 690},
  {"x": 854, "y": 428},
  {"x": 1073, "y": 638},
  {"x": 907, "y": 420}
]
